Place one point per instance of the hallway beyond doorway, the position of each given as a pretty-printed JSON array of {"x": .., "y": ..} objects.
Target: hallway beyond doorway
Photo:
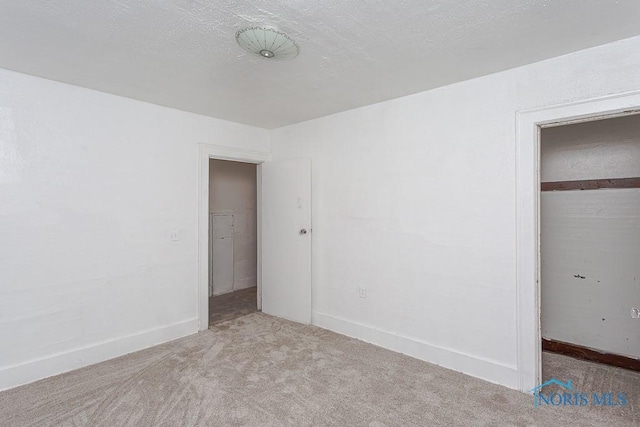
[{"x": 232, "y": 305}]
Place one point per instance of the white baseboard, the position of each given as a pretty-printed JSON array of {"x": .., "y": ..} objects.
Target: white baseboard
[
  {"x": 488, "y": 370},
  {"x": 33, "y": 370}
]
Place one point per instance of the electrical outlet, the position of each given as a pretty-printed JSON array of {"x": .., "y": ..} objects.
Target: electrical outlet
[
  {"x": 363, "y": 292},
  {"x": 635, "y": 313}
]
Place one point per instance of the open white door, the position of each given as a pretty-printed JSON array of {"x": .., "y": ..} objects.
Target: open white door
[{"x": 286, "y": 239}]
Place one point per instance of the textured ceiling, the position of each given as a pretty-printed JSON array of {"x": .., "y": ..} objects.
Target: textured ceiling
[{"x": 182, "y": 53}]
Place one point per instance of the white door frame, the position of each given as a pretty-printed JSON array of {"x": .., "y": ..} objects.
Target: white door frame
[
  {"x": 529, "y": 123},
  {"x": 205, "y": 153}
]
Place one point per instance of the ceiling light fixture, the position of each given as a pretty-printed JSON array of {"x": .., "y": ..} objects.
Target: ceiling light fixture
[{"x": 267, "y": 43}]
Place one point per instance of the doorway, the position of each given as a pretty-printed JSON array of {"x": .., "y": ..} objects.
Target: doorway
[
  {"x": 529, "y": 125},
  {"x": 233, "y": 240},
  {"x": 283, "y": 229},
  {"x": 589, "y": 252}
]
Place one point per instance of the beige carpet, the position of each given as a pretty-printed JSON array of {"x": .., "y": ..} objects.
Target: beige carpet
[
  {"x": 261, "y": 371},
  {"x": 594, "y": 377}
]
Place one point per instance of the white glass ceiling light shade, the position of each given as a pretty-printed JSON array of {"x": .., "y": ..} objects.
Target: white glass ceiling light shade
[{"x": 267, "y": 43}]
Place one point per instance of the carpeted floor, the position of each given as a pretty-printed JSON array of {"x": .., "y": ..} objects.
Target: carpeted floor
[
  {"x": 232, "y": 305},
  {"x": 258, "y": 370},
  {"x": 596, "y": 378}
]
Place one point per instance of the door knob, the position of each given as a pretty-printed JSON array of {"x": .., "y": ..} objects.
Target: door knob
[{"x": 303, "y": 231}]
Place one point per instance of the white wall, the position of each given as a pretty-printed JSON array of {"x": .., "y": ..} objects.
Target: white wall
[
  {"x": 589, "y": 239},
  {"x": 91, "y": 186},
  {"x": 414, "y": 199},
  {"x": 592, "y": 150},
  {"x": 233, "y": 188}
]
